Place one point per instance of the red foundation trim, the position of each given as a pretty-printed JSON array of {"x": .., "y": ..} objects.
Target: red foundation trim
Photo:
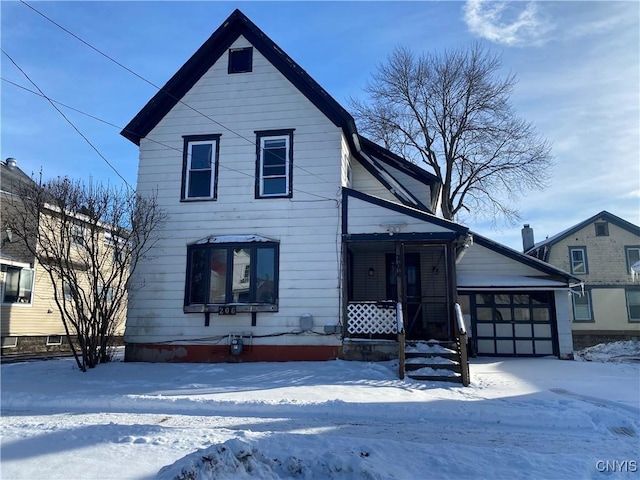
[{"x": 221, "y": 353}]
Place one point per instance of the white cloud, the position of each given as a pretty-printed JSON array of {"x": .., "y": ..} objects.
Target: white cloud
[{"x": 508, "y": 23}]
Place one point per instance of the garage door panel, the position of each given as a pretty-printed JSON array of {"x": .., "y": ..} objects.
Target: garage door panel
[
  {"x": 486, "y": 347},
  {"x": 504, "y": 330},
  {"x": 504, "y": 347},
  {"x": 523, "y": 330},
  {"x": 544, "y": 347},
  {"x": 542, "y": 330},
  {"x": 524, "y": 347},
  {"x": 485, "y": 330}
]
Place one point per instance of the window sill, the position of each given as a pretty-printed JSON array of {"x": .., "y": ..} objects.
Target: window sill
[
  {"x": 240, "y": 307},
  {"x": 198, "y": 199}
]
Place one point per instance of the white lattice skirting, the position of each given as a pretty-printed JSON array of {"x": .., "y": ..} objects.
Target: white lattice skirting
[{"x": 370, "y": 318}]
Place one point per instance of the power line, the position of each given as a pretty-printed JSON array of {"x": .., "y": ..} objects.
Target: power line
[
  {"x": 40, "y": 94},
  {"x": 68, "y": 121},
  {"x": 179, "y": 100}
]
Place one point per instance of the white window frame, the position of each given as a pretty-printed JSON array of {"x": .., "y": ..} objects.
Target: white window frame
[
  {"x": 626, "y": 253},
  {"x": 584, "y": 260},
  {"x": 586, "y": 295},
  {"x": 51, "y": 343},
  {"x": 7, "y": 343},
  {"x": 77, "y": 234},
  {"x": 189, "y": 143},
  {"x": 264, "y": 137}
]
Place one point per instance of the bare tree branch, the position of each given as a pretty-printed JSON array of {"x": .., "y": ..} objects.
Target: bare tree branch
[
  {"x": 452, "y": 112},
  {"x": 88, "y": 239}
]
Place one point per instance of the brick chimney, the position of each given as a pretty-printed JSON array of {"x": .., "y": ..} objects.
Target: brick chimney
[{"x": 527, "y": 238}]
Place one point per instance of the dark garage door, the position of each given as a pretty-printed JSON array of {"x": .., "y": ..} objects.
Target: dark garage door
[{"x": 513, "y": 323}]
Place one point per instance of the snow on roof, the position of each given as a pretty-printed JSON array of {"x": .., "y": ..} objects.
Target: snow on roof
[{"x": 250, "y": 238}]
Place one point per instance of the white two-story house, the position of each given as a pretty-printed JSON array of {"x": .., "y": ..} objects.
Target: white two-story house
[{"x": 291, "y": 237}]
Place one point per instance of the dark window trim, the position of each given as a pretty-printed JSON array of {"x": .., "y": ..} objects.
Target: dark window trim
[
  {"x": 589, "y": 297},
  {"x": 260, "y": 134},
  {"x": 605, "y": 225},
  {"x": 187, "y": 139},
  {"x": 240, "y": 306},
  {"x": 586, "y": 263},
  {"x": 626, "y": 299},
  {"x": 230, "y": 70}
]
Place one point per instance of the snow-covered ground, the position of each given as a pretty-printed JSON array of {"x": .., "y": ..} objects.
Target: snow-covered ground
[{"x": 521, "y": 418}]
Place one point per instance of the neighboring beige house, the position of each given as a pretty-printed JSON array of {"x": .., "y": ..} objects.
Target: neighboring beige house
[
  {"x": 30, "y": 322},
  {"x": 601, "y": 251}
]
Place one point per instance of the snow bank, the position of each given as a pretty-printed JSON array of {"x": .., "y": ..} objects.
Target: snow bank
[
  {"x": 628, "y": 351},
  {"x": 238, "y": 459}
]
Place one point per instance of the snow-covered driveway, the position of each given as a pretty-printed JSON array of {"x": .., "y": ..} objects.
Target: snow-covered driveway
[{"x": 521, "y": 418}]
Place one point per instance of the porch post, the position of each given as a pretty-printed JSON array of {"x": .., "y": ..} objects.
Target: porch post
[{"x": 400, "y": 306}]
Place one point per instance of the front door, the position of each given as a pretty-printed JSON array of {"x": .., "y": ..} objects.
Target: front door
[
  {"x": 425, "y": 303},
  {"x": 413, "y": 308}
]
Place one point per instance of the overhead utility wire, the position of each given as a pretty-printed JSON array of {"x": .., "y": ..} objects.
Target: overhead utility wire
[
  {"x": 107, "y": 56},
  {"x": 149, "y": 139},
  {"x": 68, "y": 121}
]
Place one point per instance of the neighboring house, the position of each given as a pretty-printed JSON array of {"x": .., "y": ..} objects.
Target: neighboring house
[
  {"x": 291, "y": 237},
  {"x": 600, "y": 250},
  {"x": 30, "y": 322}
]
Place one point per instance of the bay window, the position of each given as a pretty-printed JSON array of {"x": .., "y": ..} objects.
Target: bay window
[{"x": 244, "y": 275}]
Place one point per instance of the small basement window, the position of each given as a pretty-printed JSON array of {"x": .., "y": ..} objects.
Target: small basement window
[
  {"x": 9, "y": 342},
  {"x": 54, "y": 340},
  {"x": 240, "y": 60}
]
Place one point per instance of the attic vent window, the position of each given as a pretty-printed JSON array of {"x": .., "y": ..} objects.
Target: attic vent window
[
  {"x": 240, "y": 60},
  {"x": 602, "y": 229}
]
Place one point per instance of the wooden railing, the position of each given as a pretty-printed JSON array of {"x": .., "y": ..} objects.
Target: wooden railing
[
  {"x": 401, "y": 339},
  {"x": 461, "y": 335}
]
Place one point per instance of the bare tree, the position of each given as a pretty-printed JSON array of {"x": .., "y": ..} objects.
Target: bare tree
[
  {"x": 88, "y": 239},
  {"x": 452, "y": 111}
]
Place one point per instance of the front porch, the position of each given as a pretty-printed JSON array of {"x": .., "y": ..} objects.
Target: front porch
[{"x": 420, "y": 276}]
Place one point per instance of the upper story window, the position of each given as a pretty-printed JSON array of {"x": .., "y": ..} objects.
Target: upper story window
[
  {"x": 77, "y": 234},
  {"x": 633, "y": 256},
  {"x": 274, "y": 163},
  {"x": 602, "y": 229},
  {"x": 578, "y": 260},
  {"x": 200, "y": 167},
  {"x": 244, "y": 275},
  {"x": 240, "y": 60},
  {"x": 582, "y": 307},
  {"x": 18, "y": 285}
]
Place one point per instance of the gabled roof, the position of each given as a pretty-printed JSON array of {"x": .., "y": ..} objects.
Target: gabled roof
[
  {"x": 208, "y": 54},
  {"x": 541, "y": 249},
  {"x": 217, "y": 44},
  {"x": 525, "y": 259}
]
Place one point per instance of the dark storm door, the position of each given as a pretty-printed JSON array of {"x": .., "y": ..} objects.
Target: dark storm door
[{"x": 412, "y": 301}]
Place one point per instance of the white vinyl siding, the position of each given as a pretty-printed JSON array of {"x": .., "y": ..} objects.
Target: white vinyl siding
[{"x": 306, "y": 226}]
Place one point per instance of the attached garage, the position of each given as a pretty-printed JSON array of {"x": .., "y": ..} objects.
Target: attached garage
[
  {"x": 516, "y": 323},
  {"x": 514, "y": 305}
]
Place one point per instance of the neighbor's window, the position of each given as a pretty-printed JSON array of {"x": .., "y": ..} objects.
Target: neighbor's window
[
  {"x": 633, "y": 256},
  {"x": 240, "y": 274},
  {"x": 200, "y": 167},
  {"x": 582, "y": 307},
  {"x": 18, "y": 285},
  {"x": 240, "y": 60},
  {"x": 274, "y": 163},
  {"x": 633, "y": 304},
  {"x": 602, "y": 229},
  {"x": 578, "y": 259},
  {"x": 77, "y": 234}
]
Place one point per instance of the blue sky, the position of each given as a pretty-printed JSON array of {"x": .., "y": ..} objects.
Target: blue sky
[{"x": 577, "y": 64}]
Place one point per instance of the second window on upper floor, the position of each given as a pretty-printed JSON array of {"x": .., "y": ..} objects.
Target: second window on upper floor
[
  {"x": 633, "y": 256},
  {"x": 274, "y": 163},
  {"x": 200, "y": 167},
  {"x": 578, "y": 260}
]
